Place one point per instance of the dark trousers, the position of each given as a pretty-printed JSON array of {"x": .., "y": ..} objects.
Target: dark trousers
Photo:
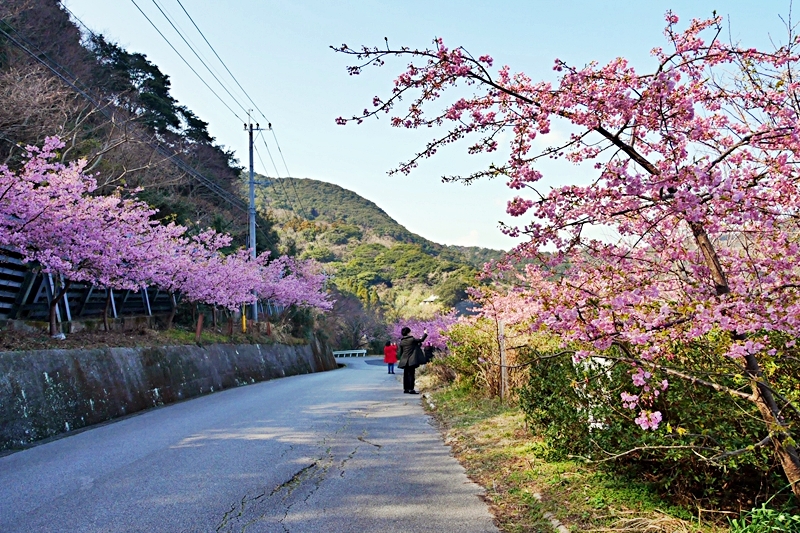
[
  {"x": 409, "y": 374},
  {"x": 391, "y": 368}
]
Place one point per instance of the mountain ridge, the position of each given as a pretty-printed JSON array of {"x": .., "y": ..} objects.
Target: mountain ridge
[
  {"x": 317, "y": 200},
  {"x": 395, "y": 273}
]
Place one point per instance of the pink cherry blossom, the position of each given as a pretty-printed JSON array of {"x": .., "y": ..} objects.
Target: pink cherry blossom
[
  {"x": 696, "y": 188},
  {"x": 48, "y": 213}
]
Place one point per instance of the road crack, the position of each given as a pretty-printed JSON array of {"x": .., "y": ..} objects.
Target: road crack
[
  {"x": 291, "y": 483},
  {"x": 362, "y": 439}
]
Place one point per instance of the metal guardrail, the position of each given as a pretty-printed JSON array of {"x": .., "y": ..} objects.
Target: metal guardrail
[
  {"x": 26, "y": 295},
  {"x": 349, "y": 353}
]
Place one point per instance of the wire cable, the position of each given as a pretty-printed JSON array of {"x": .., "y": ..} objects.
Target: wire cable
[
  {"x": 288, "y": 174},
  {"x": 222, "y": 193},
  {"x": 277, "y": 174},
  {"x": 269, "y": 152},
  {"x": 59, "y": 70},
  {"x": 280, "y": 184},
  {"x": 198, "y": 56},
  {"x": 221, "y": 61},
  {"x": 186, "y": 62},
  {"x": 274, "y": 135}
]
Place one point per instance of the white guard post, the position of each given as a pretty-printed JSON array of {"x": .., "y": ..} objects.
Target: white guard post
[{"x": 349, "y": 353}]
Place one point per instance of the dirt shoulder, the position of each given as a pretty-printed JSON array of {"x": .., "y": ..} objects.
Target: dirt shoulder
[
  {"x": 13, "y": 341},
  {"x": 526, "y": 492}
]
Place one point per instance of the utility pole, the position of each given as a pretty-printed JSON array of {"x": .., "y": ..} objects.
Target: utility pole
[
  {"x": 252, "y": 211},
  {"x": 503, "y": 368}
]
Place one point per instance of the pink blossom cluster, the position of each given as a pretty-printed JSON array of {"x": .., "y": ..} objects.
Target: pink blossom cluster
[
  {"x": 48, "y": 212},
  {"x": 648, "y": 419},
  {"x": 629, "y": 401},
  {"x": 697, "y": 184},
  {"x": 437, "y": 329}
]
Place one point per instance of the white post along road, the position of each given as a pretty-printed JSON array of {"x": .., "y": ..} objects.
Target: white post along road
[{"x": 339, "y": 451}]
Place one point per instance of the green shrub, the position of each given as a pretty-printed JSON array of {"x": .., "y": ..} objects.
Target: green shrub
[
  {"x": 469, "y": 349},
  {"x": 577, "y": 410},
  {"x": 765, "y": 520},
  {"x": 341, "y": 234},
  {"x": 319, "y": 253}
]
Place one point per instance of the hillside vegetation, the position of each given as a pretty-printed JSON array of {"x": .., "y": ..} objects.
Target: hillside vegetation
[
  {"x": 314, "y": 200},
  {"x": 391, "y": 270},
  {"x": 114, "y": 108}
]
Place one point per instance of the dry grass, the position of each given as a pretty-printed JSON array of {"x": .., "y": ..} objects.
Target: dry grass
[
  {"x": 498, "y": 452},
  {"x": 26, "y": 340}
]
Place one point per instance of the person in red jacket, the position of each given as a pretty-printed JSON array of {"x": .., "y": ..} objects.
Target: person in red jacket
[{"x": 390, "y": 355}]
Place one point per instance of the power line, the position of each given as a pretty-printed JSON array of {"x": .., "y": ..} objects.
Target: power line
[
  {"x": 221, "y": 61},
  {"x": 274, "y": 135},
  {"x": 279, "y": 181},
  {"x": 55, "y": 67},
  {"x": 197, "y": 55},
  {"x": 192, "y": 43},
  {"x": 225, "y": 195},
  {"x": 287, "y": 171},
  {"x": 186, "y": 62},
  {"x": 302, "y": 207},
  {"x": 180, "y": 34},
  {"x": 278, "y": 174},
  {"x": 59, "y": 71}
]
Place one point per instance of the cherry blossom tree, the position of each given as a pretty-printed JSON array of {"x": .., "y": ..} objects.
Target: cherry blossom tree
[
  {"x": 291, "y": 282},
  {"x": 437, "y": 329},
  {"x": 695, "y": 172},
  {"x": 48, "y": 214}
]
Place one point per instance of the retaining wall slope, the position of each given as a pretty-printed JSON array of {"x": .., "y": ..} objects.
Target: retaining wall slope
[{"x": 44, "y": 393}]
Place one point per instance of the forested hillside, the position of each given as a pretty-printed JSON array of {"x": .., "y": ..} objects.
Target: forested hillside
[
  {"x": 114, "y": 108},
  {"x": 370, "y": 255},
  {"x": 315, "y": 200}
]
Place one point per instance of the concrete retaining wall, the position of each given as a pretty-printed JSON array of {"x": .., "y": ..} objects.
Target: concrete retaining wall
[{"x": 44, "y": 393}]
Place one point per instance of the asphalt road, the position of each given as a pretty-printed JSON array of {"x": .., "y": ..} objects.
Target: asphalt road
[{"x": 340, "y": 451}]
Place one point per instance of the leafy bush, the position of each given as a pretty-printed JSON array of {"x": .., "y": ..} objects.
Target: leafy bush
[
  {"x": 408, "y": 261},
  {"x": 320, "y": 253},
  {"x": 474, "y": 355},
  {"x": 454, "y": 289},
  {"x": 764, "y": 520},
  {"x": 341, "y": 234},
  {"x": 577, "y": 409},
  {"x": 469, "y": 349}
]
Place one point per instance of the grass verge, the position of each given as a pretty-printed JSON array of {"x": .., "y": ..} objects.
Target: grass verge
[
  {"x": 11, "y": 340},
  {"x": 491, "y": 441}
]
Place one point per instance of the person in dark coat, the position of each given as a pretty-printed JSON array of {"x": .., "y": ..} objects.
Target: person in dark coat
[
  {"x": 390, "y": 355},
  {"x": 410, "y": 357},
  {"x": 428, "y": 351}
]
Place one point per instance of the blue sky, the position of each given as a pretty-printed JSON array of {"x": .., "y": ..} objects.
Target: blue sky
[{"x": 279, "y": 51}]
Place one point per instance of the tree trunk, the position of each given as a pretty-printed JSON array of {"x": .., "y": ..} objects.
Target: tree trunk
[
  {"x": 54, "y": 305},
  {"x": 105, "y": 310},
  {"x": 782, "y": 441},
  {"x": 199, "y": 329},
  {"x": 214, "y": 318},
  {"x": 711, "y": 258},
  {"x": 172, "y": 311},
  {"x": 53, "y": 322}
]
